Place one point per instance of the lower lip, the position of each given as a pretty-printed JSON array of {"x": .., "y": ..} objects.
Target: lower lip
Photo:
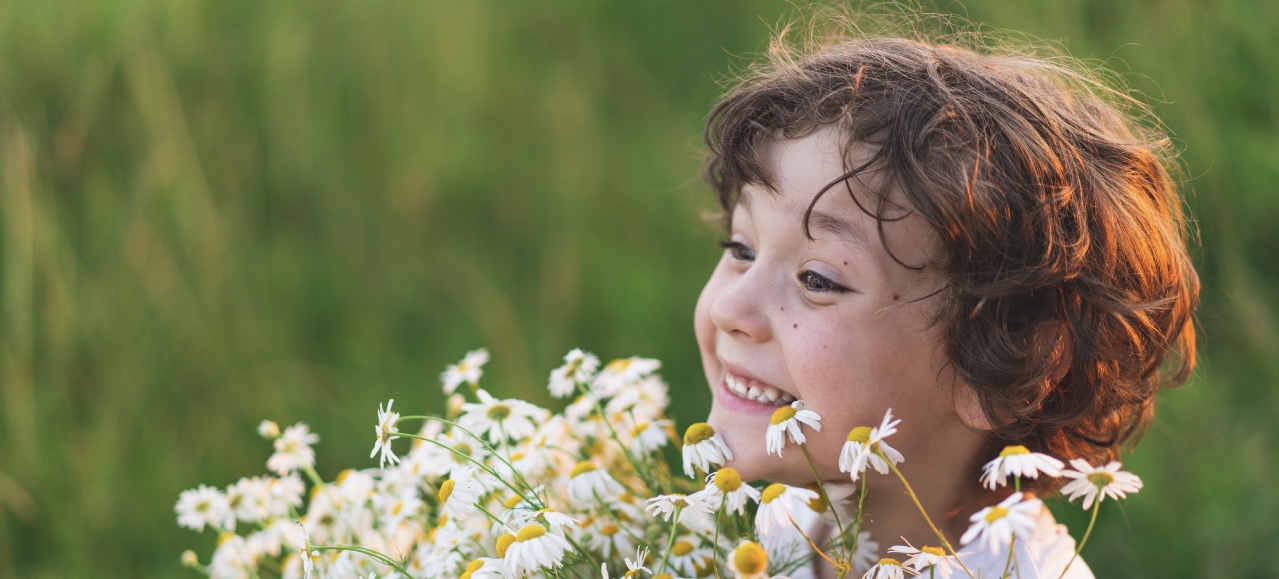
[{"x": 739, "y": 405}]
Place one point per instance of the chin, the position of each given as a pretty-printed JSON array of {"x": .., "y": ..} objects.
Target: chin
[{"x": 745, "y": 437}]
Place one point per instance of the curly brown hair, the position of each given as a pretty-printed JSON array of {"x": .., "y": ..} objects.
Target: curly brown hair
[{"x": 1070, "y": 292}]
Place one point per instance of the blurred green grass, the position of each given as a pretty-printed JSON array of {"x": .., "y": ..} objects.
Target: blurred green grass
[{"x": 218, "y": 212}]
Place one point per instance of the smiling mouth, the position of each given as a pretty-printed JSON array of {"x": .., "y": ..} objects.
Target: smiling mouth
[{"x": 756, "y": 391}]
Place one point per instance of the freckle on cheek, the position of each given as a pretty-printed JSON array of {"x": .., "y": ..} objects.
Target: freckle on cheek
[{"x": 794, "y": 325}]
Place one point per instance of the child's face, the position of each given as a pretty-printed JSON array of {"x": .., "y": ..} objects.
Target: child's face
[{"x": 834, "y": 322}]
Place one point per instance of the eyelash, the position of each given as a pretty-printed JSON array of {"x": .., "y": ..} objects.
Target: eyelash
[
  {"x": 737, "y": 249},
  {"x": 809, "y": 279},
  {"x": 816, "y": 282}
]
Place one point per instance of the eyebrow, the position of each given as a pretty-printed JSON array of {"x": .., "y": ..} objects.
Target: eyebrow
[{"x": 827, "y": 223}]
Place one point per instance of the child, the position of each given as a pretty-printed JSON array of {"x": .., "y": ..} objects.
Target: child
[{"x": 988, "y": 243}]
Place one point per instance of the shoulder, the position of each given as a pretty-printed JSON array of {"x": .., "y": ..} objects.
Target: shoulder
[{"x": 1042, "y": 555}]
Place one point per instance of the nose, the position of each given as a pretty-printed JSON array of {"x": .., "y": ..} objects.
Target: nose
[{"x": 741, "y": 309}]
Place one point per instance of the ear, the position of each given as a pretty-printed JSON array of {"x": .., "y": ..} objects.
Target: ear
[{"x": 968, "y": 407}]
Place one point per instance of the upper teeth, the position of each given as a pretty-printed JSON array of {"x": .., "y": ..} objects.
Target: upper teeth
[{"x": 758, "y": 393}]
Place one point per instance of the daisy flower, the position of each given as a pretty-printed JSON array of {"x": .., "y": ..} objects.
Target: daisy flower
[
  {"x": 724, "y": 488},
  {"x": 866, "y": 447},
  {"x": 839, "y": 493},
  {"x": 664, "y": 506},
  {"x": 608, "y": 540},
  {"x": 775, "y": 505},
  {"x": 386, "y": 432},
  {"x": 579, "y": 368},
  {"x": 925, "y": 557},
  {"x": 749, "y": 561},
  {"x": 483, "y": 568},
  {"x": 1018, "y": 461},
  {"x": 703, "y": 447},
  {"x": 886, "y": 568},
  {"x": 282, "y": 493},
  {"x": 247, "y": 498},
  {"x": 468, "y": 370},
  {"x": 1097, "y": 483},
  {"x": 269, "y": 430},
  {"x": 996, "y": 525},
  {"x": 204, "y": 506},
  {"x": 648, "y": 437},
  {"x": 293, "y": 450},
  {"x": 308, "y": 561},
  {"x": 686, "y": 554},
  {"x": 588, "y": 483},
  {"x": 232, "y": 558},
  {"x": 533, "y": 550},
  {"x": 622, "y": 372},
  {"x": 460, "y": 493},
  {"x": 515, "y": 418},
  {"x": 785, "y": 424},
  {"x": 633, "y": 568}
]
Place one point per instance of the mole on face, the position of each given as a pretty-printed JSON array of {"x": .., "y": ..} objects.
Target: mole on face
[
  {"x": 896, "y": 297},
  {"x": 794, "y": 325}
]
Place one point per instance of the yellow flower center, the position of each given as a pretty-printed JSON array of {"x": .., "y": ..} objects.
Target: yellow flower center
[
  {"x": 889, "y": 561},
  {"x": 662, "y": 576},
  {"x": 446, "y": 490},
  {"x": 474, "y": 566},
  {"x": 681, "y": 548},
  {"x": 627, "y": 498},
  {"x": 861, "y": 434},
  {"x": 1101, "y": 479},
  {"x": 783, "y": 414},
  {"x": 639, "y": 428},
  {"x": 224, "y": 537},
  {"x": 581, "y": 468},
  {"x": 728, "y": 479},
  {"x": 697, "y": 433},
  {"x": 817, "y": 505},
  {"x": 773, "y": 491},
  {"x": 704, "y": 568},
  {"x": 609, "y": 530},
  {"x": 498, "y": 412},
  {"x": 932, "y": 551},
  {"x": 517, "y": 456},
  {"x": 1014, "y": 451},
  {"x": 443, "y": 519},
  {"x": 342, "y": 476},
  {"x": 511, "y": 502},
  {"x": 618, "y": 365},
  {"x": 463, "y": 448},
  {"x": 503, "y": 543},
  {"x": 529, "y": 533},
  {"x": 995, "y": 514},
  {"x": 750, "y": 559},
  {"x": 462, "y": 367}
]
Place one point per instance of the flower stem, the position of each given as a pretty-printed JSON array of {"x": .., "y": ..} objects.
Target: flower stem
[
  {"x": 834, "y": 510},
  {"x": 838, "y": 567},
  {"x": 1095, "y": 509},
  {"x": 374, "y": 554},
  {"x": 1008, "y": 565},
  {"x": 311, "y": 474},
  {"x": 648, "y": 485},
  {"x": 484, "y": 467},
  {"x": 670, "y": 543},
  {"x": 928, "y": 519}
]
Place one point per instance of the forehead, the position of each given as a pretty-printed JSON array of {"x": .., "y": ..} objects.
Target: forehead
[{"x": 801, "y": 168}]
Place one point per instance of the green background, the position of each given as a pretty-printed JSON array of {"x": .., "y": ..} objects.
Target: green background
[{"x": 221, "y": 211}]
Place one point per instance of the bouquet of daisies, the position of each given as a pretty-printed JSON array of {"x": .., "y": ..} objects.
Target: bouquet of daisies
[{"x": 504, "y": 489}]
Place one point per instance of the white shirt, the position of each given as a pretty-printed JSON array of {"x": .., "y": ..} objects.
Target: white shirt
[{"x": 1042, "y": 555}]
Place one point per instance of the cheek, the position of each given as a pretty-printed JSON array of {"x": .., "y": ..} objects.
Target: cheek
[{"x": 704, "y": 325}]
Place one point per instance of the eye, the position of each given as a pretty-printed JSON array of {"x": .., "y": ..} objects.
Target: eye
[
  {"x": 738, "y": 250},
  {"x": 816, "y": 282}
]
